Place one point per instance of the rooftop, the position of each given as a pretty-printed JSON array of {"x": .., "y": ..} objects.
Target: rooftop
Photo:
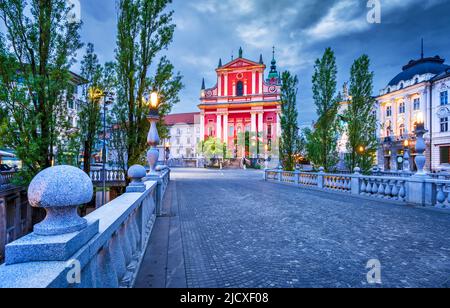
[
  {"x": 432, "y": 65},
  {"x": 181, "y": 118}
]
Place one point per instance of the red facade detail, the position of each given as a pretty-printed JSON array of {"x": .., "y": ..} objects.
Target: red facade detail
[{"x": 236, "y": 105}]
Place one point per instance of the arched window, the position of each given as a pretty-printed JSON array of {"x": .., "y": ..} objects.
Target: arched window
[
  {"x": 402, "y": 129},
  {"x": 388, "y": 131},
  {"x": 240, "y": 88}
]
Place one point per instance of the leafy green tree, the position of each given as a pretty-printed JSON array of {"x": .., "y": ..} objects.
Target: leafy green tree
[
  {"x": 289, "y": 125},
  {"x": 360, "y": 117},
  {"x": 213, "y": 148},
  {"x": 322, "y": 141},
  {"x": 35, "y": 83},
  {"x": 144, "y": 29},
  {"x": 92, "y": 71}
]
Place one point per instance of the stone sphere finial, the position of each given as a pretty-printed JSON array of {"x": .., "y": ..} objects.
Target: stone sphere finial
[
  {"x": 136, "y": 173},
  {"x": 357, "y": 170},
  {"x": 60, "y": 191},
  {"x": 321, "y": 169}
]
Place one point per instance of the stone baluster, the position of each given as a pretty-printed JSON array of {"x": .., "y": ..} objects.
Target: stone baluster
[
  {"x": 106, "y": 273},
  {"x": 374, "y": 187},
  {"x": 440, "y": 195},
  {"x": 118, "y": 257},
  {"x": 402, "y": 192},
  {"x": 395, "y": 191}
]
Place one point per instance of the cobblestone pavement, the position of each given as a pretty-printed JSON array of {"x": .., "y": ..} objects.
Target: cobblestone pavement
[{"x": 239, "y": 231}]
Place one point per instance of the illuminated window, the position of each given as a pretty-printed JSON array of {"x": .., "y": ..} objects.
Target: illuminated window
[{"x": 402, "y": 129}]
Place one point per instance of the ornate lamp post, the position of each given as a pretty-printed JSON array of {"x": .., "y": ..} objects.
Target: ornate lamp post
[
  {"x": 96, "y": 94},
  {"x": 266, "y": 156},
  {"x": 420, "y": 145},
  {"x": 406, "y": 157},
  {"x": 153, "y": 137}
]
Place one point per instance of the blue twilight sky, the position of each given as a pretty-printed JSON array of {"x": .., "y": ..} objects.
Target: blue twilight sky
[{"x": 211, "y": 29}]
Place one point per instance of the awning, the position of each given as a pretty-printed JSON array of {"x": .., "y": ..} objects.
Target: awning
[{"x": 6, "y": 154}]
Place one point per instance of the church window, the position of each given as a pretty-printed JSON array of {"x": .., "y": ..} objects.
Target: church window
[{"x": 240, "y": 89}]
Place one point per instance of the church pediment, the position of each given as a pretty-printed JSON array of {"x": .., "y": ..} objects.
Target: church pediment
[{"x": 240, "y": 63}]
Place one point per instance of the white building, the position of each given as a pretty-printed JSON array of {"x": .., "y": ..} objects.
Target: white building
[
  {"x": 420, "y": 90},
  {"x": 184, "y": 131}
]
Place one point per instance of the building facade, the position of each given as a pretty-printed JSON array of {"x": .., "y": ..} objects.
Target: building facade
[
  {"x": 184, "y": 131},
  {"x": 243, "y": 109},
  {"x": 419, "y": 92}
]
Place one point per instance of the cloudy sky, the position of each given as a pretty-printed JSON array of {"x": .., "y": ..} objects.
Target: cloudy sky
[{"x": 211, "y": 29}]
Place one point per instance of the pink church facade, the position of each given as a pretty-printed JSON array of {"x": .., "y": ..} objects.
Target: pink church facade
[{"x": 243, "y": 109}]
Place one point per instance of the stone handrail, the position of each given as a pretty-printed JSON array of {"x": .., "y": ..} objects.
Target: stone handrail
[
  {"x": 422, "y": 190},
  {"x": 103, "y": 249}
]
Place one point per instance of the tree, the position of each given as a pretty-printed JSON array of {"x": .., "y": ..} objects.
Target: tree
[
  {"x": 145, "y": 28},
  {"x": 289, "y": 126},
  {"x": 92, "y": 71},
  {"x": 35, "y": 83},
  {"x": 360, "y": 117},
  {"x": 213, "y": 148},
  {"x": 322, "y": 142}
]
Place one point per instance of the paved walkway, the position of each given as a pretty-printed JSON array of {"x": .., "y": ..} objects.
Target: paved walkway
[{"x": 231, "y": 229}]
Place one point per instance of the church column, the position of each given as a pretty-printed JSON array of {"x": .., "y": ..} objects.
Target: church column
[
  {"x": 253, "y": 119},
  {"x": 202, "y": 127},
  {"x": 219, "y": 86},
  {"x": 278, "y": 125},
  {"x": 253, "y": 83},
  {"x": 225, "y": 91},
  {"x": 261, "y": 81},
  {"x": 219, "y": 127},
  {"x": 260, "y": 123},
  {"x": 225, "y": 128}
]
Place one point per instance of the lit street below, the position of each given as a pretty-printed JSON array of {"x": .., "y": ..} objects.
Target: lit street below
[{"x": 230, "y": 229}]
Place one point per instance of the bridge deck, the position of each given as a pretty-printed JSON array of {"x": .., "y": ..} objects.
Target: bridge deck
[{"x": 231, "y": 229}]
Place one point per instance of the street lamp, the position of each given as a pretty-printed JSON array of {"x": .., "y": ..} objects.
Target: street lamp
[
  {"x": 266, "y": 156},
  {"x": 153, "y": 137},
  {"x": 420, "y": 145},
  {"x": 95, "y": 94},
  {"x": 361, "y": 150},
  {"x": 406, "y": 156}
]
